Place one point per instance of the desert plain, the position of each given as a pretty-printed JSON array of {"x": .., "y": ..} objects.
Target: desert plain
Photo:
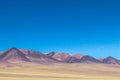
[{"x": 62, "y": 71}]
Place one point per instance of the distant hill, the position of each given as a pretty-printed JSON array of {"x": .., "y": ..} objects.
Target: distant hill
[
  {"x": 111, "y": 60},
  {"x": 15, "y": 55}
]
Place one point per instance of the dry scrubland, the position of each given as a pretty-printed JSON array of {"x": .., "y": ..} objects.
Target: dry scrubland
[{"x": 60, "y": 72}]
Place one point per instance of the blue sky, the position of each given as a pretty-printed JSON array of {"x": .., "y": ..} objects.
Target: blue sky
[{"x": 90, "y": 27}]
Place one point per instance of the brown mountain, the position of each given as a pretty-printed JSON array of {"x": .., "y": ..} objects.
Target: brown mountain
[
  {"x": 71, "y": 59},
  {"x": 89, "y": 59},
  {"x": 38, "y": 57},
  {"x": 83, "y": 59},
  {"x": 13, "y": 55},
  {"x": 51, "y": 54},
  {"x": 111, "y": 60},
  {"x": 65, "y": 57},
  {"x": 78, "y": 56},
  {"x": 101, "y": 59},
  {"x": 59, "y": 56},
  {"x": 1, "y": 53},
  {"x": 33, "y": 54}
]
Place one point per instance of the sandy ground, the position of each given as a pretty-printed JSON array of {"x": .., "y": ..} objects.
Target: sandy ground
[{"x": 60, "y": 72}]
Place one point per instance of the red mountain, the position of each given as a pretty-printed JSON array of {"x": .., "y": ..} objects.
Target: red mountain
[
  {"x": 78, "y": 56},
  {"x": 101, "y": 59},
  {"x": 59, "y": 57},
  {"x": 15, "y": 55}
]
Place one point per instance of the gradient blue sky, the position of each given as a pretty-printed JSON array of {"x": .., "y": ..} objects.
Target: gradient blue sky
[{"x": 90, "y": 27}]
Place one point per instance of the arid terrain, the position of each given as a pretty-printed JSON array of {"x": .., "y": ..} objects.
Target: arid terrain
[
  {"x": 59, "y": 72},
  {"x": 59, "y": 39},
  {"x": 18, "y": 64}
]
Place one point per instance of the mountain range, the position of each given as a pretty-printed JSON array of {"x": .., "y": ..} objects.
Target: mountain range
[{"x": 15, "y": 55}]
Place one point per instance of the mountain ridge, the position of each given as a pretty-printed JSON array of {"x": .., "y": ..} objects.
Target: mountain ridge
[{"x": 20, "y": 55}]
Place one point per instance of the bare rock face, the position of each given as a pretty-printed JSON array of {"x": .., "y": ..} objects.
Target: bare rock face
[
  {"x": 32, "y": 53},
  {"x": 59, "y": 56},
  {"x": 51, "y": 54},
  {"x": 71, "y": 59},
  {"x": 65, "y": 57},
  {"x": 89, "y": 59},
  {"x": 101, "y": 59},
  {"x": 35, "y": 54},
  {"x": 111, "y": 60},
  {"x": 78, "y": 56},
  {"x": 13, "y": 55},
  {"x": 1, "y": 53},
  {"x": 38, "y": 57},
  {"x": 24, "y": 51}
]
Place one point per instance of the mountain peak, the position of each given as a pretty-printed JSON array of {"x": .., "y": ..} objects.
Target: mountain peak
[
  {"x": 89, "y": 59},
  {"x": 111, "y": 60},
  {"x": 58, "y": 56},
  {"x": 13, "y": 55},
  {"x": 18, "y": 55},
  {"x": 110, "y": 57},
  {"x": 71, "y": 59},
  {"x": 78, "y": 56},
  {"x": 51, "y": 54},
  {"x": 13, "y": 48}
]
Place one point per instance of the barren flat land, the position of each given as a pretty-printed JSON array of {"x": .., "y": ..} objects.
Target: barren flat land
[{"x": 59, "y": 72}]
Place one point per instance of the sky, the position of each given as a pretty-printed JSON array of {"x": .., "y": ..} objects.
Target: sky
[{"x": 89, "y": 27}]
